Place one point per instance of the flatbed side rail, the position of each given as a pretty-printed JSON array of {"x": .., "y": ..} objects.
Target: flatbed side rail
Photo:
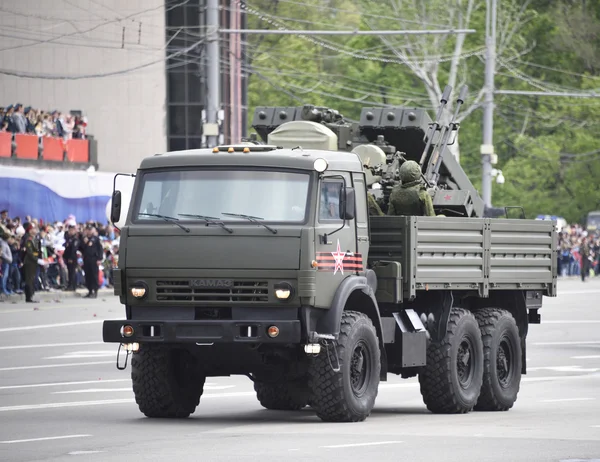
[{"x": 480, "y": 254}]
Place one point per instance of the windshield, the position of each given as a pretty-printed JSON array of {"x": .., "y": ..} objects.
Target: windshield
[
  {"x": 593, "y": 219},
  {"x": 272, "y": 196}
]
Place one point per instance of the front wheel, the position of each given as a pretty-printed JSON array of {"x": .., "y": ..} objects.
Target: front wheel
[
  {"x": 451, "y": 381},
  {"x": 347, "y": 395},
  {"x": 502, "y": 360},
  {"x": 166, "y": 381}
]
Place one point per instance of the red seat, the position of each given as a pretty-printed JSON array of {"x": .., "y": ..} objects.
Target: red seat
[
  {"x": 78, "y": 151},
  {"x": 27, "y": 146},
  {"x": 5, "y": 144},
  {"x": 53, "y": 149}
]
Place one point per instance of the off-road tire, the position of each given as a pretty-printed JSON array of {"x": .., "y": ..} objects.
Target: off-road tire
[
  {"x": 444, "y": 386},
  {"x": 279, "y": 396},
  {"x": 166, "y": 382},
  {"x": 502, "y": 360},
  {"x": 332, "y": 394}
]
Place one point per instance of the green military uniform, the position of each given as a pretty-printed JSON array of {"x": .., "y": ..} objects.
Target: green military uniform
[
  {"x": 411, "y": 197},
  {"x": 30, "y": 267},
  {"x": 374, "y": 208},
  {"x": 585, "y": 251}
]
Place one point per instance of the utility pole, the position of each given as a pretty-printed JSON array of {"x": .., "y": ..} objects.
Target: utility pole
[
  {"x": 213, "y": 65},
  {"x": 487, "y": 148}
]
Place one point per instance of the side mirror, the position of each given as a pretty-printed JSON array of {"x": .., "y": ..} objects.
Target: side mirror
[
  {"x": 348, "y": 204},
  {"x": 115, "y": 210}
]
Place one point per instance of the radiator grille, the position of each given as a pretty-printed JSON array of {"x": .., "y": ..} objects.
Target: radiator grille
[{"x": 235, "y": 291}]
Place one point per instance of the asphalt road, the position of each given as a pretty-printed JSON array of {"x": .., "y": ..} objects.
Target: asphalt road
[{"x": 62, "y": 399}]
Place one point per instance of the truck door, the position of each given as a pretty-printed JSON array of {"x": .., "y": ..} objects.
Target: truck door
[
  {"x": 335, "y": 256},
  {"x": 362, "y": 218}
]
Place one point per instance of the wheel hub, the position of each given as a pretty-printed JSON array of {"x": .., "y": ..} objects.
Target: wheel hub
[
  {"x": 359, "y": 369},
  {"x": 504, "y": 362},
  {"x": 464, "y": 362}
]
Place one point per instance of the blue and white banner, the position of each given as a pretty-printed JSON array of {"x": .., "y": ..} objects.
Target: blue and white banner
[{"x": 54, "y": 195}]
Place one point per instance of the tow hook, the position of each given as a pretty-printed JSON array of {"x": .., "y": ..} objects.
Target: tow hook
[
  {"x": 129, "y": 347},
  {"x": 337, "y": 367}
]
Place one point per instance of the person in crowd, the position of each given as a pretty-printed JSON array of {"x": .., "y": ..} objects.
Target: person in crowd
[
  {"x": 92, "y": 256},
  {"x": 5, "y": 262},
  {"x": 30, "y": 263},
  {"x": 72, "y": 245},
  {"x": 14, "y": 277}
]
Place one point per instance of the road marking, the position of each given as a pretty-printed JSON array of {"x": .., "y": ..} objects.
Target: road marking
[
  {"x": 85, "y": 354},
  {"x": 574, "y": 292},
  {"x": 572, "y": 321},
  {"x": 354, "y": 445},
  {"x": 91, "y": 390},
  {"x": 586, "y": 357},
  {"x": 398, "y": 385},
  {"x": 565, "y": 400},
  {"x": 49, "y": 345},
  {"x": 80, "y": 453},
  {"x": 48, "y": 326},
  {"x": 44, "y": 439},
  {"x": 559, "y": 377},
  {"x": 562, "y": 369},
  {"x": 100, "y": 390},
  {"x": 590, "y": 342},
  {"x": 60, "y": 384},
  {"x": 44, "y": 366},
  {"x": 27, "y": 407}
]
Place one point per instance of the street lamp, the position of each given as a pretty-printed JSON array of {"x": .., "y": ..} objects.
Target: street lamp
[{"x": 498, "y": 175}]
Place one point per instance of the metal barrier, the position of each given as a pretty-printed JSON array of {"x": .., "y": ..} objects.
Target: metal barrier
[{"x": 44, "y": 148}]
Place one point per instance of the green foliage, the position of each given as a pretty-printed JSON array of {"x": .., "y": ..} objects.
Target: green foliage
[{"x": 548, "y": 147}]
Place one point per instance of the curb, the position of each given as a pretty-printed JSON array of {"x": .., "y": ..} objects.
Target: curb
[{"x": 55, "y": 296}]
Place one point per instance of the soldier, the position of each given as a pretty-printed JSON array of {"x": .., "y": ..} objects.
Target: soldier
[
  {"x": 411, "y": 197},
  {"x": 585, "y": 251},
  {"x": 70, "y": 256},
  {"x": 92, "y": 256},
  {"x": 374, "y": 208},
  {"x": 30, "y": 263}
]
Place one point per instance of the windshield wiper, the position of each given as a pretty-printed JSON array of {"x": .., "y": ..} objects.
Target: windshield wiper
[
  {"x": 209, "y": 220},
  {"x": 252, "y": 219},
  {"x": 167, "y": 218}
]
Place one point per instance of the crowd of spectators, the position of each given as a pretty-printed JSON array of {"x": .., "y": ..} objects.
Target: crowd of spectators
[
  {"x": 578, "y": 252},
  {"x": 19, "y": 119},
  {"x": 50, "y": 240}
]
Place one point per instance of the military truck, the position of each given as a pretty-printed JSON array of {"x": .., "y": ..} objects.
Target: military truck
[{"x": 261, "y": 259}]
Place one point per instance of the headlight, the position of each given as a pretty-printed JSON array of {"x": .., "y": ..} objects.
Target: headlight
[
  {"x": 139, "y": 289},
  {"x": 320, "y": 165},
  {"x": 283, "y": 291},
  {"x": 138, "y": 292}
]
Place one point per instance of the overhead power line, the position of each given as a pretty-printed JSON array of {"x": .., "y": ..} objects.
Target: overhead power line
[{"x": 347, "y": 32}]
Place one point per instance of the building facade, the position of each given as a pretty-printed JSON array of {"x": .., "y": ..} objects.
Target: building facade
[{"x": 105, "y": 59}]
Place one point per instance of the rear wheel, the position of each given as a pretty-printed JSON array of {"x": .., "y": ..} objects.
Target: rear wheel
[
  {"x": 166, "y": 381},
  {"x": 502, "y": 360},
  {"x": 451, "y": 381},
  {"x": 347, "y": 395},
  {"x": 282, "y": 395}
]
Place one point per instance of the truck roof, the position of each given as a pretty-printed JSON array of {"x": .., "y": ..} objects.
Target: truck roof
[{"x": 257, "y": 156}]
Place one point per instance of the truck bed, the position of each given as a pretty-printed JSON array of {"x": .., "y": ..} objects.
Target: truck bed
[{"x": 479, "y": 254}]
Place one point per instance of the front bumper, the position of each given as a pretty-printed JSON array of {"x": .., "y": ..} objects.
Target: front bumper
[{"x": 201, "y": 331}]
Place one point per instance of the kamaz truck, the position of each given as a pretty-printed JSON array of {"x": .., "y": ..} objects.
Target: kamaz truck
[{"x": 261, "y": 259}]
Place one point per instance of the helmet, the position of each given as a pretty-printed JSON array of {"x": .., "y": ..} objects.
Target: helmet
[{"x": 410, "y": 172}]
